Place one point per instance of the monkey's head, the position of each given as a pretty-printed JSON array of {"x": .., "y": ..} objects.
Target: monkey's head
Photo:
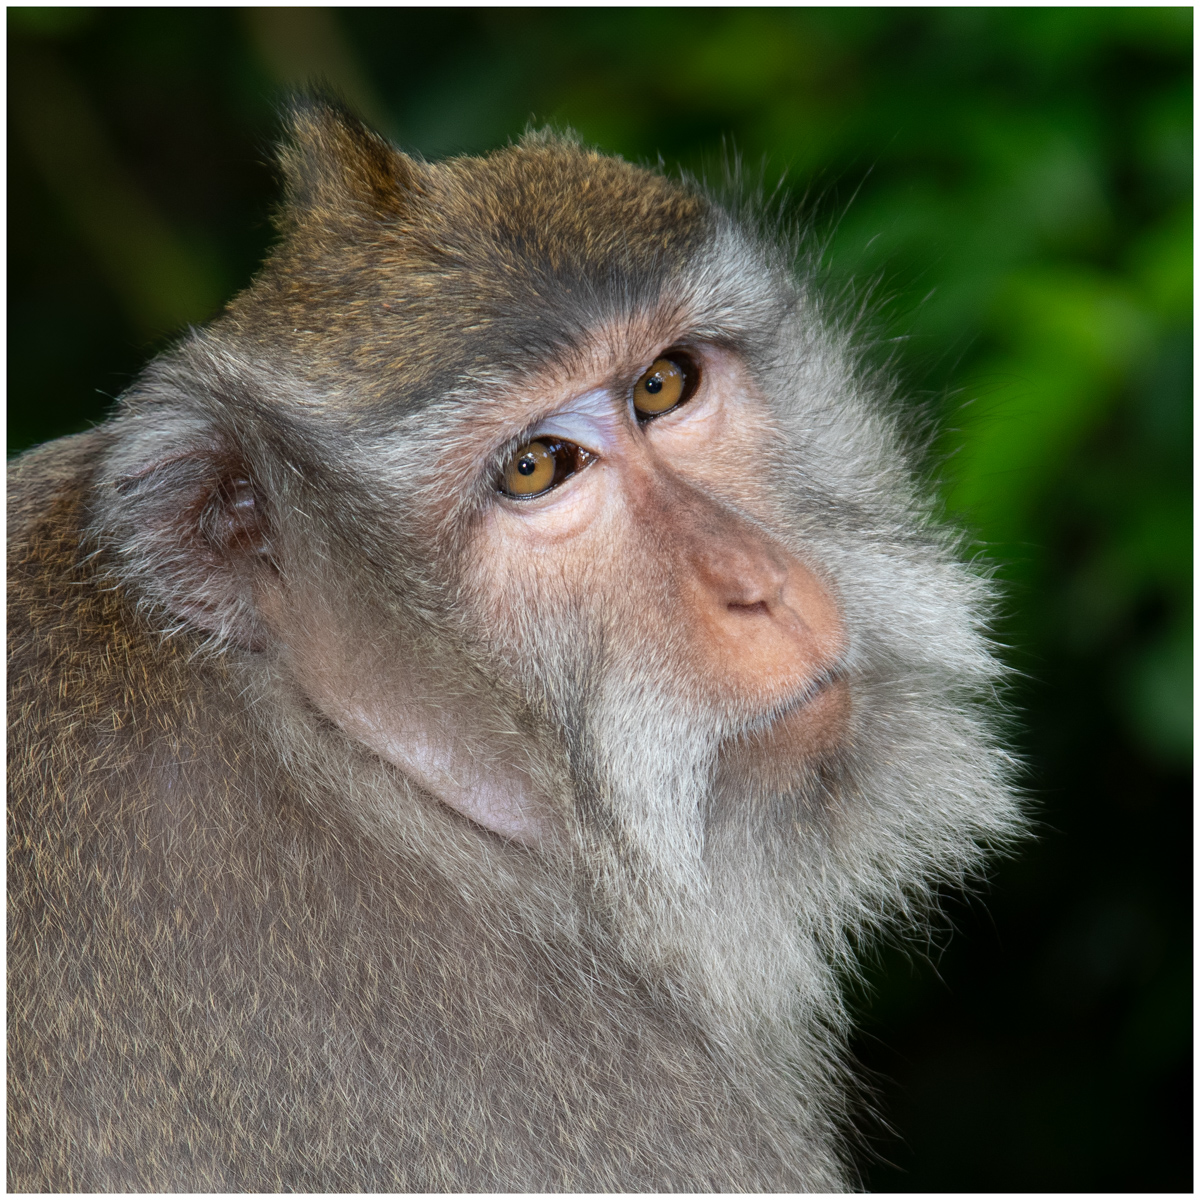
[{"x": 543, "y": 480}]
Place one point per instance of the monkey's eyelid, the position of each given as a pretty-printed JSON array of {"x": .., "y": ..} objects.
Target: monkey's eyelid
[{"x": 593, "y": 420}]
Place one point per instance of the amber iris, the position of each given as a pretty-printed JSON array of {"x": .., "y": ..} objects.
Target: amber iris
[
  {"x": 660, "y": 389},
  {"x": 531, "y": 470}
]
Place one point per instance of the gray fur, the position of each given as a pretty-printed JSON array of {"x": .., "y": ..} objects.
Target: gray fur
[{"x": 276, "y": 962}]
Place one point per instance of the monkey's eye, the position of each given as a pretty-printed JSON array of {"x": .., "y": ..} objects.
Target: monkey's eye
[
  {"x": 669, "y": 383},
  {"x": 541, "y": 465}
]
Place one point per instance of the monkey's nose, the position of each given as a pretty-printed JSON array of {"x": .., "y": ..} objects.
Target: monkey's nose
[
  {"x": 767, "y": 627},
  {"x": 774, "y": 646}
]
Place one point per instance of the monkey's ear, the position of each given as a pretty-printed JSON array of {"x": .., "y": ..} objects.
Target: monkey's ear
[
  {"x": 335, "y": 168},
  {"x": 187, "y": 524}
]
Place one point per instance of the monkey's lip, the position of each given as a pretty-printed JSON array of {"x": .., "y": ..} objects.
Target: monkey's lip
[{"x": 807, "y": 696}]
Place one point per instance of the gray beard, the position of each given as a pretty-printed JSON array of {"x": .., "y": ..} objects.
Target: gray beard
[{"x": 693, "y": 865}]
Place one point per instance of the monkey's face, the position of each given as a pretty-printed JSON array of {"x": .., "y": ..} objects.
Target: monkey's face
[{"x": 620, "y": 567}]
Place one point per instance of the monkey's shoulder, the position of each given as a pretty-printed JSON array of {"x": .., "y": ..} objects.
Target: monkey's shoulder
[
  {"x": 83, "y": 661},
  {"x": 53, "y": 612},
  {"x": 46, "y": 487}
]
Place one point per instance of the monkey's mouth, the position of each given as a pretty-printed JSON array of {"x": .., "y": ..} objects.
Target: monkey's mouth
[{"x": 818, "y": 693}]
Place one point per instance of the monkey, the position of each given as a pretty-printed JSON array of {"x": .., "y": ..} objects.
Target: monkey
[{"x": 471, "y": 702}]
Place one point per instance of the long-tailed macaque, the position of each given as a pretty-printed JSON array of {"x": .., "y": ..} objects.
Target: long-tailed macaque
[{"x": 471, "y": 700}]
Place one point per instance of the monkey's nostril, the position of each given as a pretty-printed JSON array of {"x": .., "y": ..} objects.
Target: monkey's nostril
[{"x": 759, "y": 608}]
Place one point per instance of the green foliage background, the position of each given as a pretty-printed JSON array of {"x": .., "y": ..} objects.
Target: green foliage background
[{"x": 1009, "y": 194}]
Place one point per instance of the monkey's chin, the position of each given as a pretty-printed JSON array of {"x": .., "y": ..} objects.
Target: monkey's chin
[{"x": 788, "y": 745}]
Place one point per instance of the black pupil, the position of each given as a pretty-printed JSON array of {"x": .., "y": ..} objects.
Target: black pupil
[
  {"x": 654, "y": 384},
  {"x": 527, "y": 465}
]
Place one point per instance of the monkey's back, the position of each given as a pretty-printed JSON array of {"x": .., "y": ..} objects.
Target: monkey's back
[{"x": 214, "y": 986}]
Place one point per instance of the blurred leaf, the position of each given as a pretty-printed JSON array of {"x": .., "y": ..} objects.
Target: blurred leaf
[
  {"x": 1156, "y": 693},
  {"x": 162, "y": 282},
  {"x": 49, "y": 22},
  {"x": 1161, "y": 262},
  {"x": 1073, "y": 335}
]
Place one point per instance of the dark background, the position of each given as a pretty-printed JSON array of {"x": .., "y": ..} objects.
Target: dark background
[{"x": 1009, "y": 191}]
